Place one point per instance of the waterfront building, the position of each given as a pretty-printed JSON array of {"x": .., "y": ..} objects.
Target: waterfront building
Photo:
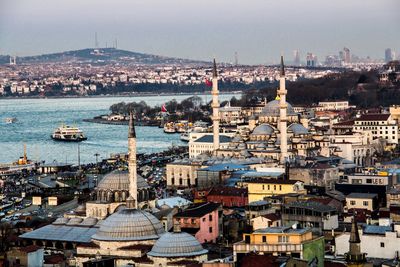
[
  {"x": 206, "y": 144},
  {"x": 298, "y": 243}
]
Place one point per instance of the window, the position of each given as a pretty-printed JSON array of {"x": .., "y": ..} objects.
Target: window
[
  {"x": 210, "y": 217},
  {"x": 193, "y": 221},
  {"x": 210, "y": 229},
  {"x": 247, "y": 239},
  {"x": 365, "y": 203},
  {"x": 382, "y": 245},
  {"x": 263, "y": 187},
  {"x": 352, "y": 202},
  {"x": 283, "y": 239},
  {"x": 264, "y": 239},
  {"x": 280, "y": 188}
]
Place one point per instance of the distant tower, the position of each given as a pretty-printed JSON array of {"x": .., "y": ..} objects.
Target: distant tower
[
  {"x": 96, "y": 42},
  {"x": 13, "y": 60},
  {"x": 311, "y": 60},
  {"x": 354, "y": 257},
  {"x": 236, "y": 59},
  {"x": 296, "y": 58},
  {"x": 347, "y": 56},
  {"x": 388, "y": 55},
  {"x": 282, "y": 114},
  {"x": 215, "y": 107},
  {"x": 132, "y": 199}
]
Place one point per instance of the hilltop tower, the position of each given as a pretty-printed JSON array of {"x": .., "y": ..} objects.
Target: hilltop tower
[
  {"x": 132, "y": 199},
  {"x": 215, "y": 107},
  {"x": 282, "y": 114}
]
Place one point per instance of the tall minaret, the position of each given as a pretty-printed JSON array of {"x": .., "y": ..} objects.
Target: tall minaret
[
  {"x": 215, "y": 107},
  {"x": 282, "y": 114},
  {"x": 131, "y": 202}
]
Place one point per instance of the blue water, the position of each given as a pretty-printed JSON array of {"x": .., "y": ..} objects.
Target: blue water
[{"x": 37, "y": 118}]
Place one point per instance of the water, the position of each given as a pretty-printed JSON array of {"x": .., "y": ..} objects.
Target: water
[{"x": 37, "y": 119}]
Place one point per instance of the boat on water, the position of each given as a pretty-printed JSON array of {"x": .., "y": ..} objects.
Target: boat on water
[
  {"x": 185, "y": 136},
  {"x": 68, "y": 134},
  {"x": 169, "y": 128},
  {"x": 10, "y": 120}
]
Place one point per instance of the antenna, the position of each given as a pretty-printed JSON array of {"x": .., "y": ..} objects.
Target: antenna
[{"x": 96, "y": 42}]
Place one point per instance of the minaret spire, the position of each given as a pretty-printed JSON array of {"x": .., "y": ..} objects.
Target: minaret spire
[
  {"x": 215, "y": 108},
  {"x": 131, "y": 202},
  {"x": 354, "y": 256},
  {"x": 283, "y": 114}
]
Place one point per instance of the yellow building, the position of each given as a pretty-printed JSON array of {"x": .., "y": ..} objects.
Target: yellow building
[
  {"x": 260, "y": 188},
  {"x": 281, "y": 241}
]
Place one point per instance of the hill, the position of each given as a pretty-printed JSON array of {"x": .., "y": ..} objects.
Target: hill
[{"x": 102, "y": 56}]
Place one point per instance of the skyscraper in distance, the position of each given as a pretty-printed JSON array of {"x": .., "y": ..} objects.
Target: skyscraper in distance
[
  {"x": 296, "y": 58},
  {"x": 389, "y": 55}
]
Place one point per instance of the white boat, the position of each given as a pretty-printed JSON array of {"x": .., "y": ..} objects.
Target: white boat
[
  {"x": 185, "y": 136},
  {"x": 169, "y": 128},
  {"x": 10, "y": 120},
  {"x": 68, "y": 134}
]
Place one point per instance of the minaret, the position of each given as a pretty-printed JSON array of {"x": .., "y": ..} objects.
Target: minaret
[
  {"x": 215, "y": 107},
  {"x": 131, "y": 202},
  {"x": 282, "y": 114},
  {"x": 354, "y": 257}
]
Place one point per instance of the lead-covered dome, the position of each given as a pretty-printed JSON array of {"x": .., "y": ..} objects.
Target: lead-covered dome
[
  {"x": 263, "y": 129},
  {"x": 177, "y": 244},
  {"x": 297, "y": 129},
  {"x": 271, "y": 109},
  {"x": 129, "y": 225},
  {"x": 119, "y": 180}
]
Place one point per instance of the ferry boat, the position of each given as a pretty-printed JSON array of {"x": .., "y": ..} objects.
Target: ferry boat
[
  {"x": 68, "y": 134},
  {"x": 10, "y": 120}
]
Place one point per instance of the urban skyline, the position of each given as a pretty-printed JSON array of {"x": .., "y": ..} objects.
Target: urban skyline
[{"x": 199, "y": 31}]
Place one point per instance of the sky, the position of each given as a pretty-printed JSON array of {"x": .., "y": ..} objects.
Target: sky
[{"x": 258, "y": 30}]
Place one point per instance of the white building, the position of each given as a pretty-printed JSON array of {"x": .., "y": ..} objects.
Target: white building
[
  {"x": 333, "y": 105},
  {"x": 205, "y": 145},
  {"x": 381, "y": 126},
  {"x": 376, "y": 241}
]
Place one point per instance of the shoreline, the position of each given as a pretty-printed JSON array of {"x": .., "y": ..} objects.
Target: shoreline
[{"x": 117, "y": 95}]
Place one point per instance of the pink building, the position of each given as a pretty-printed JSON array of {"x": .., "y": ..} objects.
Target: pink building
[{"x": 201, "y": 220}]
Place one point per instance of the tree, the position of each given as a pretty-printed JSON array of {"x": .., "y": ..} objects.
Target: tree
[{"x": 5, "y": 232}]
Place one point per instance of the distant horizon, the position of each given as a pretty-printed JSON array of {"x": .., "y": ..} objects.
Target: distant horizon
[{"x": 259, "y": 31}]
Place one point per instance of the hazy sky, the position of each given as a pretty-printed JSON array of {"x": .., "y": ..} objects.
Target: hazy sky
[{"x": 259, "y": 30}]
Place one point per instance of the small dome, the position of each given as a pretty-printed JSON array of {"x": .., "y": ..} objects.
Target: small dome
[
  {"x": 179, "y": 244},
  {"x": 61, "y": 221},
  {"x": 119, "y": 180},
  {"x": 297, "y": 129},
  {"x": 89, "y": 221},
  {"x": 263, "y": 129},
  {"x": 74, "y": 221},
  {"x": 272, "y": 109},
  {"x": 129, "y": 225}
]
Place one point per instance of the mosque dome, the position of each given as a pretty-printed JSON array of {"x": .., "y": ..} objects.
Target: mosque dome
[
  {"x": 271, "y": 109},
  {"x": 177, "y": 244},
  {"x": 263, "y": 129},
  {"x": 118, "y": 180},
  {"x": 297, "y": 129},
  {"x": 129, "y": 225}
]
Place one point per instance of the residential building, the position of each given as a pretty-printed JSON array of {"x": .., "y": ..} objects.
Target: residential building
[
  {"x": 258, "y": 208},
  {"x": 315, "y": 215},
  {"x": 228, "y": 196},
  {"x": 201, "y": 220},
  {"x": 267, "y": 220},
  {"x": 362, "y": 201},
  {"x": 260, "y": 188},
  {"x": 381, "y": 126},
  {"x": 281, "y": 241}
]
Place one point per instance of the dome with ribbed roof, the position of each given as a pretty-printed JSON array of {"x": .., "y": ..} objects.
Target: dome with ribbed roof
[
  {"x": 119, "y": 180},
  {"x": 177, "y": 244},
  {"x": 263, "y": 129},
  {"x": 129, "y": 225},
  {"x": 272, "y": 109}
]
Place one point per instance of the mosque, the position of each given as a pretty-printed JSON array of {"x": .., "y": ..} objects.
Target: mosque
[
  {"x": 271, "y": 137},
  {"x": 113, "y": 230}
]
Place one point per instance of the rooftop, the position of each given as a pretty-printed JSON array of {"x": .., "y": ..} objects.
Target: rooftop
[
  {"x": 361, "y": 195},
  {"x": 279, "y": 230},
  {"x": 310, "y": 205},
  {"x": 198, "y": 210},
  {"x": 210, "y": 139},
  {"x": 373, "y": 117}
]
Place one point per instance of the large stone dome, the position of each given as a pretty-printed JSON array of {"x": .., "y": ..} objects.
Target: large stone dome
[
  {"x": 129, "y": 225},
  {"x": 272, "y": 109},
  {"x": 178, "y": 244},
  {"x": 119, "y": 180}
]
